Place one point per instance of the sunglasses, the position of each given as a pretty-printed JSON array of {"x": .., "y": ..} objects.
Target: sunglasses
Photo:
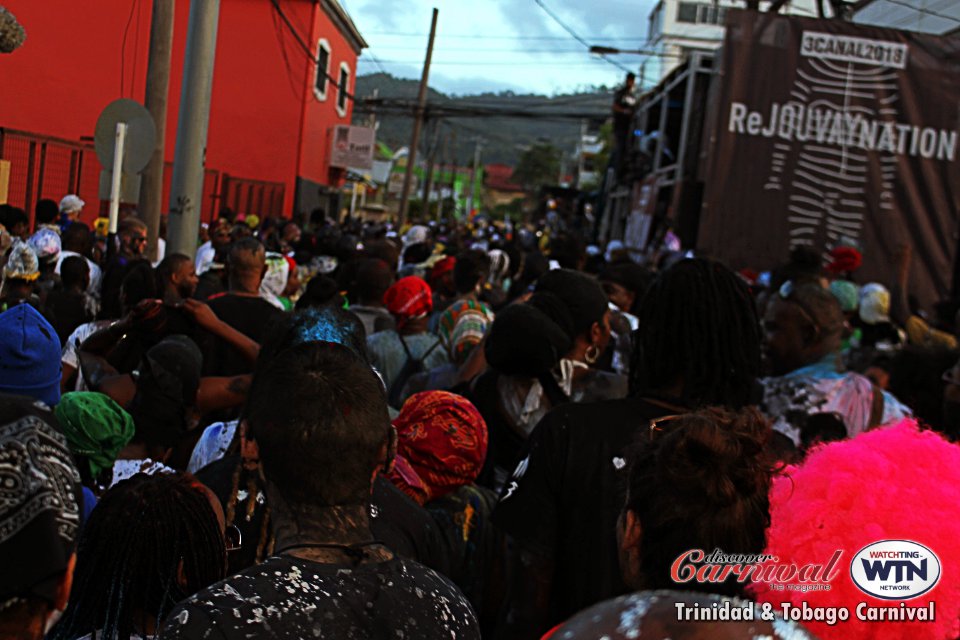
[
  {"x": 663, "y": 425},
  {"x": 788, "y": 292}
]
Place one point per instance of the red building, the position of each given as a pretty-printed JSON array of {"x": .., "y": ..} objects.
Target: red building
[
  {"x": 499, "y": 185},
  {"x": 278, "y": 89}
]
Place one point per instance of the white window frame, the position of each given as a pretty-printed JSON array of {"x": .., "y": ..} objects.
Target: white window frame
[
  {"x": 322, "y": 43},
  {"x": 343, "y": 111}
]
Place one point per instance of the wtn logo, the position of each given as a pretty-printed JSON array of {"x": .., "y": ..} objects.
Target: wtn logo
[
  {"x": 895, "y": 569},
  {"x": 905, "y": 569}
]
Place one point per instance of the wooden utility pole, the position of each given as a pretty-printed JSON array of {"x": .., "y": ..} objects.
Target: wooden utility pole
[
  {"x": 155, "y": 100},
  {"x": 431, "y": 164},
  {"x": 478, "y": 146},
  {"x": 417, "y": 124},
  {"x": 443, "y": 163}
]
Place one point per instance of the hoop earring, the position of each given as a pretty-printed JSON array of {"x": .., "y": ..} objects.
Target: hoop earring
[{"x": 591, "y": 358}]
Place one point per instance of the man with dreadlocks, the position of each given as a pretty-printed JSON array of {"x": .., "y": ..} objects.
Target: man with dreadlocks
[
  {"x": 698, "y": 345},
  {"x": 151, "y": 542},
  {"x": 317, "y": 416}
]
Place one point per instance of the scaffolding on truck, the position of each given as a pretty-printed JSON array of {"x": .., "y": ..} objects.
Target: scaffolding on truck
[{"x": 664, "y": 186}]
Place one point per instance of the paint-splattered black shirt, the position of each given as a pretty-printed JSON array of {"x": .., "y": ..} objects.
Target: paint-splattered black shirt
[{"x": 288, "y": 598}]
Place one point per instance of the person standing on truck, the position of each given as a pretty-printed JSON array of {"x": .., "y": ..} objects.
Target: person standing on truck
[{"x": 624, "y": 108}]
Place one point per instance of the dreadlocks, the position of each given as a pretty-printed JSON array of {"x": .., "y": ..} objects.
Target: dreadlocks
[
  {"x": 143, "y": 533},
  {"x": 698, "y": 327}
]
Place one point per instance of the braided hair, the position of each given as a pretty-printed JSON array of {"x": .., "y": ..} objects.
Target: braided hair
[
  {"x": 146, "y": 534},
  {"x": 699, "y": 327}
]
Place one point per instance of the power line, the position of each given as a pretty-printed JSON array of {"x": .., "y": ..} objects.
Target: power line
[
  {"x": 574, "y": 35},
  {"x": 523, "y": 50},
  {"x": 501, "y": 63},
  {"x": 376, "y": 60},
  {"x": 489, "y": 37},
  {"x": 309, "y": 52},
  {"x": 928, "y": 12},
  {"x": 565, "y": 52}
]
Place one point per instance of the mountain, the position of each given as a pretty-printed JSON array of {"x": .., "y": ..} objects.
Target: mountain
[{"x": 504, "y": 138}]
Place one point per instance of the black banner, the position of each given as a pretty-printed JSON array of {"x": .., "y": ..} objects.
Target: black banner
[{"x": 828, "y": 132}]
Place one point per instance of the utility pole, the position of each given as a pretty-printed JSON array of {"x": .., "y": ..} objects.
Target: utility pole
[
  {"x": 186, "y": 193},
  {"x": 158, "y": 86},
  {"x": 478, "y": 146},
  {"x": 372, "y": 117},
  {"x": 453, "y": 172},
  {"x": 443, "y": 163},
  {"x": 417, "y": 123},
  {"x": 431, "y": 163}
]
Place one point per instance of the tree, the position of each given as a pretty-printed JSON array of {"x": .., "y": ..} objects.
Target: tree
[
  {"x": 602, "y": 159},
  {"x": 12, "y": 34},
  {"x": 539, "y": 165}
]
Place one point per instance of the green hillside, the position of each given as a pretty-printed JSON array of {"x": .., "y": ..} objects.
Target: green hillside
[{"x": 504, "y": 137}]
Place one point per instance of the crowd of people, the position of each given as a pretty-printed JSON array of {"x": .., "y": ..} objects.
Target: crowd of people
[{"x": 449, "y": 430}]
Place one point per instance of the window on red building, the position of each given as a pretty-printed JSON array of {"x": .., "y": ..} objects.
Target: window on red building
[
  {"x": 343, "y": 89},
  {"x": 322, "y": 70}
]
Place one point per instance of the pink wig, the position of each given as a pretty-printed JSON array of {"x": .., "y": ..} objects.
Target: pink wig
[{"x": 893, "y": 483}]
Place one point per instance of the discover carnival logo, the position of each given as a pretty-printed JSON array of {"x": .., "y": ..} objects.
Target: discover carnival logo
[{"x": 895, "y": 569}]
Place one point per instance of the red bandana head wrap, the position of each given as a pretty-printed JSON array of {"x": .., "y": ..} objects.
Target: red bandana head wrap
[
  {"x": 443, "y": 439},
  {"x": 408, "y": 298}
]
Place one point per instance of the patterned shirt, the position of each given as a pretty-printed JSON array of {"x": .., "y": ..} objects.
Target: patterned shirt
[
  {"x": 462, "y": 327},
  {"x": 821, "y": 388}
]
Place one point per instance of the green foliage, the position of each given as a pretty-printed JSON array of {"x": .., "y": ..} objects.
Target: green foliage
[{"x": 538, "y": 166}]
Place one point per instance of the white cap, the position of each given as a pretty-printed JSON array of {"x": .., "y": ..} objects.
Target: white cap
[{"x": 71, "y": 203}]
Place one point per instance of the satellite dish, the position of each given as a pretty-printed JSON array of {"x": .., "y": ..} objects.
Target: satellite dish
[{"x": 141, "y": 137}]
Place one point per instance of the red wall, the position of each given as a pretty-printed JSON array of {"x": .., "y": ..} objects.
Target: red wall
[{"x": 265, "y": 122}]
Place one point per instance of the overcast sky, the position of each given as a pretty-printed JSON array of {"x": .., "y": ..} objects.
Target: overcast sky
[{"x": 496, "y": 45}]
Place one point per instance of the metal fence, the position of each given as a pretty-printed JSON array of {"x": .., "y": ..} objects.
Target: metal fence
[
  {"x": 252, "y": 196},
  {"x": 47, "y": 167}
]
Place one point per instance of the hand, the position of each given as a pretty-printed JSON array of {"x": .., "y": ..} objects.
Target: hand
[
  {"x": 201, "y": 313},
  {"x": 144, "y": 309}
]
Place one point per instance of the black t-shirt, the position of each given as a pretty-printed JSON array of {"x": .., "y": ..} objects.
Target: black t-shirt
[
  {"x": 209, "y": 284},
  {"x": 66, "y": 311},
  {"x": 506, "y": 447},
  {"x": 624, "y": 99},
  {"x": 170, "y": 320},
  {"x": 247, "y": 314},
  {"x": 288, "y": 598},
  {"x": 475, "y": 545},
  {"x": 395, "y": 520},
  {"x": 564, "y": 498},
  {"x": 113, "y": 275}
]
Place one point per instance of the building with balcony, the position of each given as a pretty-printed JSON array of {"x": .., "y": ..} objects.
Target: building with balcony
[{"x": 678, "y": 27}]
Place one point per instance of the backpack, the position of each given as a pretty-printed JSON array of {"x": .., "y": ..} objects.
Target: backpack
[{"x": 411, "y": 367}]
